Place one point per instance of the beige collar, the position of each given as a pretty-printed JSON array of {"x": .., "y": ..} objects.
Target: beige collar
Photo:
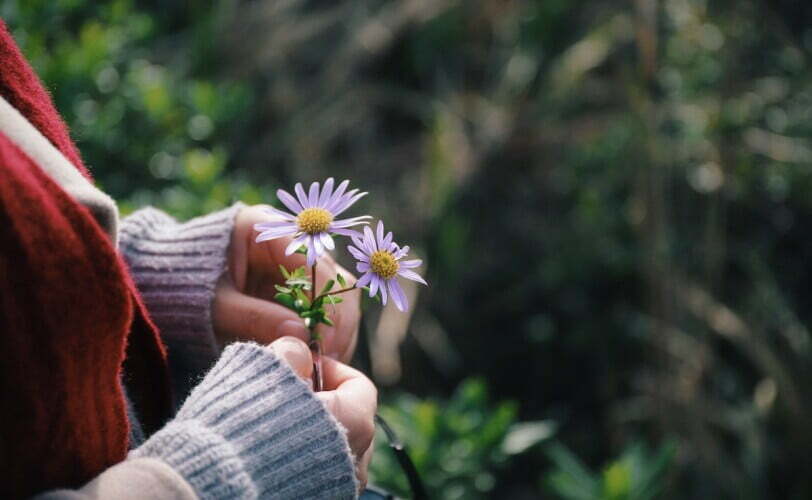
[{"x": 22, "y": 133}]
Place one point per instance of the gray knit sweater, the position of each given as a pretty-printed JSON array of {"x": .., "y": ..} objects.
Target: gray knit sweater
[{"x": 176, "y": 267}]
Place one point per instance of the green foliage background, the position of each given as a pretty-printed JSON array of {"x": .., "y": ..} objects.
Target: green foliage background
[{"x": 610, "y": 197}]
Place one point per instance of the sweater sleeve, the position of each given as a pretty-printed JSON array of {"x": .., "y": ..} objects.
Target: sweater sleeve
[
  {"x": 253, "y": 429},
  {"x": 176, "y": 267}
]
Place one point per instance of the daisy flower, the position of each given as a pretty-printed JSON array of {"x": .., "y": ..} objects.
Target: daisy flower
[
  {"x": 313, "y": 218},
  {"x": 379, "y": 258}
]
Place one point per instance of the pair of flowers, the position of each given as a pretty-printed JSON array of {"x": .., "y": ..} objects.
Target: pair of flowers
[{"x": 312, "y": 223}]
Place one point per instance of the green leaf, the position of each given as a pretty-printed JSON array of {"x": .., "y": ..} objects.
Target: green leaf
[
  {"x": 327, "y": 321},
  {"x": 282, "y": 289},
  {"x": 302, "y": 250},
  {"x": 286, "y": 300},
  {"x": 284, "y": 271},
  {"x": 334, "y": 300},
  {"x": 303, "y": 298},
  {"x": 327, "y": 287},
  {"x": 571, "y": 479},
  {"x": 299, "y": 283},
  {"x": 341, "y": 280}
]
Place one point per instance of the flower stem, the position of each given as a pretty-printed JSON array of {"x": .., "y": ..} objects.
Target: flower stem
[
  {"x": 348, "y": 289},
  {"x": 313, "y": 282},
  {"x": 315, "y": 341}
]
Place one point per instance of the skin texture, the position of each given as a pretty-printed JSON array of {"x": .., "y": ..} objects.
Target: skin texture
[
  {"x": 243, "y": 305},
  {"x": 348, "y": 394}
]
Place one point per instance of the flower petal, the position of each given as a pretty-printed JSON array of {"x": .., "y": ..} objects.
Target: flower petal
[
  {"x": 401, "y": 252},
  {"x": 264, "y": 226},
  {"x": 383, "y": 292},
  {"x": 358, "y": 254},
  {"x": 317, "y": 244},
  {"x": 369, "y": 240},
  {"x": 328, "y": 242},
  {"x": 300, "y": 193},
  {"x": 272, "y": 234},
  {"x": 347, "y": 203},
  {"x": 409, "y": 264},
  {"x": 411, "y": 275},
  {"x": 337, "y": 194},
  {"x": 379, "y": 235},
  {"x": 295, "y": 244},
  {"x": 363, "y": 280},
  {"x": 354, "y": 221},
  {"x": 387, "y": 241},
  {"x": 314, "y": 195},
  {"x": 362, "y": 267},
  {"x": 337, "y": 203},
  {"x": 275, "y": 212},
  {"x": 358, "y": 240},
  {"x": 326, "y": 192},
  {"x": 374, "y": 284},
  {"x": 345, "y": 232},
  {"x": 289, "y": 201},
  {"x": 312, "y": 253},
  {"x": 398, "y": 296}
]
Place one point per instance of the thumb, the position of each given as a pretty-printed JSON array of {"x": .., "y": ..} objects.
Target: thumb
[{"x": 296, "y": 353}]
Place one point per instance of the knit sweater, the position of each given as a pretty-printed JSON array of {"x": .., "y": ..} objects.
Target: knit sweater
[
  {"x": 251, "y": 429},
  {"x": 176, "y": 267}
]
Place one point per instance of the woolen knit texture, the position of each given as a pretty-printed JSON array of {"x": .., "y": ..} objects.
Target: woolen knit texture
[
  {"x": 253, "y": 429},
  {"x": 176, "y": 267}
]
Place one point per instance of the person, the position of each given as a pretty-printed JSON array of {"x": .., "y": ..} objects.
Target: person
[{"x": 108, "y": 325}]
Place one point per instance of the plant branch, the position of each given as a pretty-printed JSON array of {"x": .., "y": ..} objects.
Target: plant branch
[{"x": 343, "y": 290}]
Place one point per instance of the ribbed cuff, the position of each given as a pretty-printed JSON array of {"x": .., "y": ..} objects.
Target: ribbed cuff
[
  {"x": 252, "y": 417},
  {"x": 176, "y": 267}
]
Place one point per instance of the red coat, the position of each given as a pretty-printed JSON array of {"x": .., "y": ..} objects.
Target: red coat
[{"x": 71, "y": 319}]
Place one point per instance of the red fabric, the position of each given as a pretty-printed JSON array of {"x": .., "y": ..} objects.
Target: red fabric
[
  {"x": 71, "y": 318},
  {"x": 20, "y": 86}
]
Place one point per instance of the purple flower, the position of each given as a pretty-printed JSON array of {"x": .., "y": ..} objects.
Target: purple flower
[
  {"x": 314, "y": 220},
  {"x": 379, "y": 258}
]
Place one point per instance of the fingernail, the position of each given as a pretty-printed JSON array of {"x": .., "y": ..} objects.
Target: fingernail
[{"x": 291, "y": 328}]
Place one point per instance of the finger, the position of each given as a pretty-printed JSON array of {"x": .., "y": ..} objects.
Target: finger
[
  {"x": 336, "y": 373},
  {"x": 362, "y": 466},
  {"x": 237, "y": 316},
  {"x": 353, "y": 400},
  {"x": 355, "y": 415},
  {"x": 340, "y": 339},
  {"x": 296, "y": 353}
]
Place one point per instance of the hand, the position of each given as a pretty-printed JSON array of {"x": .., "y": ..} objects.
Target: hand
[
  {"x": 243, "y": 303},
  {"x": 349, "y": 395}
]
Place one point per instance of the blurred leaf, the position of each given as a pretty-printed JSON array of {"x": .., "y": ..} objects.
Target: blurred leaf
[{"x": 525, "y": 435}]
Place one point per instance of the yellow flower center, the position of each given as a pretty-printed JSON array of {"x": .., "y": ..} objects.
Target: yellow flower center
[
  {"x": 314, "y": 220},
  {"x": 384, "y": 264}
]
